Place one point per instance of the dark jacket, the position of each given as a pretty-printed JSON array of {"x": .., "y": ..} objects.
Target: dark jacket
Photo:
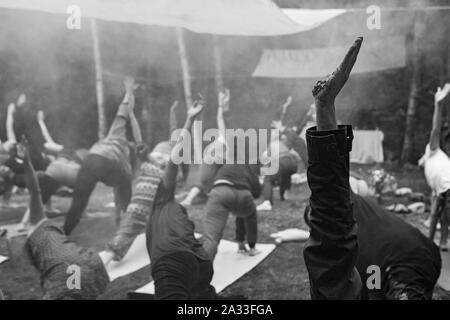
[
  {"x": 396, "y": 247},
  {"x": 242, "y": 176},
  {"x": 332, "y": 249}
]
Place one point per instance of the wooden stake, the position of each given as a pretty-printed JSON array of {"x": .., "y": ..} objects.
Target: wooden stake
[
  {"x": 98, "y": 81},
  {"x": 217, "y": 64},
  {"x": 196, "y": 127}
]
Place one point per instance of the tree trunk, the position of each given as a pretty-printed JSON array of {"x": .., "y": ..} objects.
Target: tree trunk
[
  {"x": 98, "y": 81},
  {"x": 217, "y": 65},
  {"x": 197, "y": 126},
  {"x": 416, "y": 66}
]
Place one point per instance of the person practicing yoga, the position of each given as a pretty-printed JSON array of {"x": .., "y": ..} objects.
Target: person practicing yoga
[
  {"x": 409, "y": 263},
  {"x": 280, "y": 150},
  {"x": 108, "y": 161},
  {"x": 134, "y": 221},
  {"x": 22, "y": 120},
  {"x": 436, "y": 165},
  {"x": 12, "y": 170},
  {"x": 331, "y": 251},
  {"x": 181, "y": 269},
  {"x": 61, "y": 171},
  {"x": 234, "y": 188},
  {"x": 54, "y": 255},
  {"x": 217, "y": 149}
]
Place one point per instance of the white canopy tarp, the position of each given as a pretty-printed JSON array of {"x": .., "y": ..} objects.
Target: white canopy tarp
[
  {"x": 318, "y": 62},
  {"x": 308, "y": 19},
  {"x": 223, "y": 17}
]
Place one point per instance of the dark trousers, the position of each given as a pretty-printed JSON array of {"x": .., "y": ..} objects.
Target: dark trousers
[
  {"x": 49, "y": 186},
  {"x": 398, "y": 290},
  {"x": 222, "y": 200},
  {"x": 288, "y": 166},
  {"x": 247, "y": 228},
  {"x": 95, "y": 169},
  {"x": 182, "y": 276}
]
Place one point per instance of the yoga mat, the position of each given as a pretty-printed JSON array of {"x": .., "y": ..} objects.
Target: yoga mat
[
  {"x": 135, "y": 259},
  {"x": 229, "y": 266},
  {"x": 13, "y": 230}
]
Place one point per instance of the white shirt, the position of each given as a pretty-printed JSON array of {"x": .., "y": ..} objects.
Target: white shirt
[{"x": 437, "y": 169}]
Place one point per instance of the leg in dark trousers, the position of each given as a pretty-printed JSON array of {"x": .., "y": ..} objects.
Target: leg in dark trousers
[
  {"x": 84, "y": 186},
  {"x": 85, "y": 183},
  {"x": 268, "y": 187},
  {"x": 240, "y": 229},
  {"x": 247, "y": 229},
  {"x": 48, "y": 185},
  {"x": 251, "y": 229}
]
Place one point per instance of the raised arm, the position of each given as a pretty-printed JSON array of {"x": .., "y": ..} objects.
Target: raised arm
[
  {"x": 173, "y": 123},
  {"x": 50, "y": 144},
  {"x": 331, "y": 251},
  {"x": 130, "y": 87},
  {"x": 224, "y": 106},
  {"x": 284, "y": 108},
  {"x": 10, "y": 123},
  {"x": 439, "y": 98},
  {"x": 36, "y": 207},
  {"x": 170, "y": 174}
]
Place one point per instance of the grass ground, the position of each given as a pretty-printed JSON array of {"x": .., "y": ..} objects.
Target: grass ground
[{"x": 282, "y": 275}]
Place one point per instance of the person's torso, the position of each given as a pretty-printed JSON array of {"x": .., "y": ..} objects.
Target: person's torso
[
  {"x": 169, "y": 230},
  {"x": 64, "y": 171},
  {"x": 239, "y": 175},
  {"x": 437, "y": 171},
  {"x": 115, "y": 150}
]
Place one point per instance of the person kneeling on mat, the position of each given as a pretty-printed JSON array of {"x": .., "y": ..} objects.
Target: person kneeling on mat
[{"x": 54, "y": 255}]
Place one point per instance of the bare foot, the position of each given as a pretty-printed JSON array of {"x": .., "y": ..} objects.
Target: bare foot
[
  {"x": 254, "y": 252},
  {"x": 185, "y": 203},
  {"x": 242, "y": 248}
]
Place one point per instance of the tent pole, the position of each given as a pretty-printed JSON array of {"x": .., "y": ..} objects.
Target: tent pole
[
  {"x": 217, "y": 64},
  {"x": 196, "y": 127},
  {"x": 98, "y": 81}
]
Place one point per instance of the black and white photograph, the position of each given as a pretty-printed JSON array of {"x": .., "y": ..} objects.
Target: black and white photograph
[{"x": 226, "y": 153}]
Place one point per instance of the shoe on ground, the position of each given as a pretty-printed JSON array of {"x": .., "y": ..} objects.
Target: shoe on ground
[{"x": 265, "y": 206}]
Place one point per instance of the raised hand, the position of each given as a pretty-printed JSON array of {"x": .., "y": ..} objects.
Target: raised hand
[
  {"x": 325, "y": 91},
  {"x": 41, "y": 116},
  {"x": 286, "y": 104},
  {"x": 11, "y": 108},
  {"x": 130, "y": 84},
  {"x": 196, "y": 109},
  {"x": 278, "y": 125},
  {"x": 174, "y": 105},
  {"x": 22, "y": 100},
  {"x": 224, "y": 98},
  {"x": 441, "y": 94}
]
